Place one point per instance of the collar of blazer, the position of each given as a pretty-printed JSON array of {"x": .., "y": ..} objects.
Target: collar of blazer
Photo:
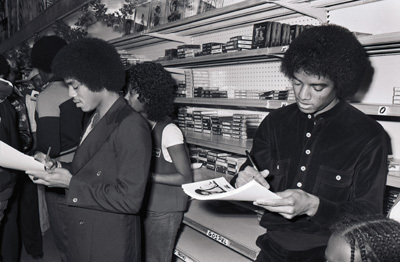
[{"x": 103, "y": 129}]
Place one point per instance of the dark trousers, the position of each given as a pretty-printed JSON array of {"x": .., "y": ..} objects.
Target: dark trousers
[
  {"x": 29, "y": 219},
  {"x": 9, "y": 233},
  {"x": 57, "y": 208},
  {"x": 272, "y": 252}
]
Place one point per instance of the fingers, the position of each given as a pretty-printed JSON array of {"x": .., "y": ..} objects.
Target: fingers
[
  {"x": 250, "y": 173},
  {"x": 38, "y": 180},
  {"x": 261, "y": 179},
  {"x": 39, "y": 156},
  {"x": 50, "y": 165},
  {"x": 265, "y": 173}
]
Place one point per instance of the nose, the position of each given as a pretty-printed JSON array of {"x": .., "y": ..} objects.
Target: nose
[
  {"x": 304, "y": 93},
  {"x": 71, "y": 92}
]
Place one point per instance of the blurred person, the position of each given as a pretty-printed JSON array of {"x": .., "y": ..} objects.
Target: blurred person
[
  {"x": 324, "y": 157},
  {"x": 364, "y": 239},
  {"x": 150, "y": 91},
  {"x": 9, "y": 134},
  {"x": 107, "y": 178},
  {"x": 59, "y": 126}
]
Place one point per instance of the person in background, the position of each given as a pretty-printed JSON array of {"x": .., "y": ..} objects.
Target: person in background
[
  {"x": 150, "y": 91},
  {"x": 107, "y": 178},
  {"x": 9, "y": 240},
  {"x": 31, "y": 95},
  {"x": 322, "y": 156},
  {"x": 363, "y": 239},
  {"x": 59, "y": 127}
]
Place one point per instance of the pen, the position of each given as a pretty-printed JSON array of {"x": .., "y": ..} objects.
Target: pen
[
  {"x": 251, "y": 160},
  {"x": 48, "y": 154}
]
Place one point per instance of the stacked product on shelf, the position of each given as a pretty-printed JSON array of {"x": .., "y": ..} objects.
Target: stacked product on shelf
[
  {"x": 391, "y": 194},
  {"x": 215, "y": 155},
  {"x": 216, "y": 160},
  {"x": 396, "y": 95},
  {"x": 213, "y": 48},
  {"x": 171, "y": 54},
  {"x": 189, "y": 83},
  {"x": 239, "y": 43},
  {"x": 234, "y": 163},
  {"x": 185, "y": 51},
  {"x": 275, "y": 95},
  {"x": 244, "y": 126},
  {"x": 271, "y": 33},
  {"x": 180, "y": 89}
]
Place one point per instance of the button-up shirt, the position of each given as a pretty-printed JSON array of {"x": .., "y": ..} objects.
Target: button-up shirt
[{"x": 340, "y": 156}]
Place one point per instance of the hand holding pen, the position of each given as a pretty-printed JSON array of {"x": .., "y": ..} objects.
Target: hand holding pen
[
  {"x": 252, "y": 173},
  {"x": 49, "y": 163}
]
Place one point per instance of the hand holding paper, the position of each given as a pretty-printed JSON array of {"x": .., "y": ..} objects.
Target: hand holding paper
[
  {"x": 13, "y": 159},
  {"x": 58, "y": 177}
]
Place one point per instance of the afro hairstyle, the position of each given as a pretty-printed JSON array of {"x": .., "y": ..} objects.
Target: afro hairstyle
[
  {"x": 93, "y": 62},
  {"x": 4, "y": 67},
  {"x": 44, "y": 51},
  {"x": 329, "y": 51},
  {"x": 156, "y": 89}
]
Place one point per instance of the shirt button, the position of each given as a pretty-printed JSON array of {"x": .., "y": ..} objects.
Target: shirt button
[
  {"x": 81, "y": 222},
  {"x": 338, "y": 177},
  {"x": 309, "y": 116},
  {"x": 308, "y": 151},
  {"x": 74, "y": 200},
  {"x": 303, "y": 168},
  {"x": 98, "y": 173},
  {"x": 299, "y": 184},
  {"x": 308, "y": 134}
]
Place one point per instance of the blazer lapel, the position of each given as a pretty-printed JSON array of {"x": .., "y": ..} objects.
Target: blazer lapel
[{"x": 96, "y": 138}]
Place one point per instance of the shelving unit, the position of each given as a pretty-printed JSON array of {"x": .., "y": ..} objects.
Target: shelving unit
[{"x": 215, "y": 220}]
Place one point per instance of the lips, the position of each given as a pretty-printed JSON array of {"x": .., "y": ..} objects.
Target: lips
[{"x": 304, "y": 106}]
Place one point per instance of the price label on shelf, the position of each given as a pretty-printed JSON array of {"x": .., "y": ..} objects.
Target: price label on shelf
[
  {"x": 383, "y": 110},
  {"x": 217, "y": 237},
  {"x": 284, "y": 48},
  {"x": 182, "y": 256}
]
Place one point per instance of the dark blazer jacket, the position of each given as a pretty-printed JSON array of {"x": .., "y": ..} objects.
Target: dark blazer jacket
[{"x": 110, "y": 170}]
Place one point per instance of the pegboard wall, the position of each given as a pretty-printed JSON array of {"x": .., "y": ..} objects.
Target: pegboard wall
[{"x": 259, "y": 76}]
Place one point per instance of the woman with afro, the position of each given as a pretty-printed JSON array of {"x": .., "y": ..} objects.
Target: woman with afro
[
  {"x": 150, "y": 91},
  {"x": 107, "y": 178},
  {"x": 324, "y": 157},
  {"x": 364, "y": 239}
]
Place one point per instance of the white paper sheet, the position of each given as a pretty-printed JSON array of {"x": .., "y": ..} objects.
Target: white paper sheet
[
  {"x": 220, "y": 189},
  {"x": 13, "y": 159}
]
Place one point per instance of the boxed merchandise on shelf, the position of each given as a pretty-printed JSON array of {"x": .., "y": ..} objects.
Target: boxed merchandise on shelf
[
  {"x": 234, "y": 163},
  {"x": 393, "y": 164},
  {"x": 396, "y": 95}
]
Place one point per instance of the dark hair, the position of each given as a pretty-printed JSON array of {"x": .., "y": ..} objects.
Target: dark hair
[
  {"x": 328, "y": 51},
  {"x": 93, "y": 62},
  {"x": 44, "y": 51},
  {"x": 377, "y": 237},
  {"x": 155, "y": 87},
  {"x": 4, "y": 67}
]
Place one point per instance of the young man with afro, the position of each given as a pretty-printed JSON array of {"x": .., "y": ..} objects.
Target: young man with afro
[
  {"x": 59, "y": 127},
  {"x": 150, "y": 91},
  {"x": 322, "y": 156},
  {"x": 107, "y": 178}
]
